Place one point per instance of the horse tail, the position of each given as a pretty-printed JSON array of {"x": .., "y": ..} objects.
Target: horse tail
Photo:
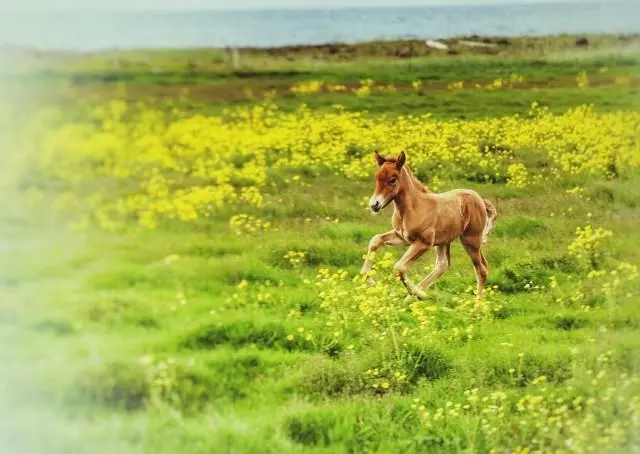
[{"x": 492, "y": 215}]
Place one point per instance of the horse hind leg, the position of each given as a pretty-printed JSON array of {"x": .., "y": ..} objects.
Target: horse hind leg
[
  {"x": 472, "y": 244},
  {"x": 484, "y": 260},
  {"x": 443, "y": 262}
]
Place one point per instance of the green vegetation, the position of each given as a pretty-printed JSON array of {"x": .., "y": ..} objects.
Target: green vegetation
[
  {"x": 207, "y": 79},
  {"x": 192, "y": 338}
]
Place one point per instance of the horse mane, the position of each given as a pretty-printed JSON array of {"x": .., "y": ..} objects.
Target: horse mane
[{"x": 415, "y": 180}]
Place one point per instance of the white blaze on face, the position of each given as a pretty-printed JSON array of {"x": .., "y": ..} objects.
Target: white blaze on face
[{"x": 376, "y": 200}]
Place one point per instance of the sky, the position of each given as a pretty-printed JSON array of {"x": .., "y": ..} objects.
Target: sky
[{"x": 7, "y": 5}]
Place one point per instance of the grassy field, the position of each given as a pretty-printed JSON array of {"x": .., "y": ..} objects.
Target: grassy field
[{"x": 180, "y": 252}]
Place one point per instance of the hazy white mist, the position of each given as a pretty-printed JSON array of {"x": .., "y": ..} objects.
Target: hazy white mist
[{"x": 35, "y": 5}]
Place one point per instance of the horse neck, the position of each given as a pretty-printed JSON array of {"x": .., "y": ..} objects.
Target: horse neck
[
  {"x": 406, "y": 199},
  {"x": 415, "y": 180}
]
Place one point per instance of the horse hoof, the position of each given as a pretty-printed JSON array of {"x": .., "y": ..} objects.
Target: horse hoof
[
  {"x": 408, "y": 298},
  {"x": 421, "y": 295}
]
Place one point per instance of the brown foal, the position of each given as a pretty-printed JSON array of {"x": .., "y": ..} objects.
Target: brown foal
[{"x": 423, "y": 219}]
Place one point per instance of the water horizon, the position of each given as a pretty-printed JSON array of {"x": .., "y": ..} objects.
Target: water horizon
[{"x": 101, "y": 30}]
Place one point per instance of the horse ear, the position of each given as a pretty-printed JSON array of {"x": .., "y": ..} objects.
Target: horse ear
[
  {"x": 379, "y": 158},
  {"x": 400, "y": 160}
]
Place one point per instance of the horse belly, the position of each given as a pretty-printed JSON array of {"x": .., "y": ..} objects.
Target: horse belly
[
  {"x": 449, "y": 223},
  {"x": 448, "y": 234}
]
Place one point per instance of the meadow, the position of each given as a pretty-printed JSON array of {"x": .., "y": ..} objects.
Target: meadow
[{"x": 181, "y": 247}]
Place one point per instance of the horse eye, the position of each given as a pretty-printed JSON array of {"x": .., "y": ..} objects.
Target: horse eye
[{"x": 392, "y": 181}]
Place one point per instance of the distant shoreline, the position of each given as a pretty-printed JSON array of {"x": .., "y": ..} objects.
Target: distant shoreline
[
  {"x": 452, "y": 40},
  {"x": 100, "y": 31},
  {"x": 387, "y": 48}
]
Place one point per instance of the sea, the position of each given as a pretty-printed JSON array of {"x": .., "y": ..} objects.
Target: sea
[{"x": 110, "y": 30}]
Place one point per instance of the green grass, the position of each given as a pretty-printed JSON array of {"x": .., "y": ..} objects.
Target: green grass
[
  {"x": 428, "y": 69},
  {"x": 469, "y": 103},
  {"x": 107, "y": 348},
  {"x": 204, "y": 80},
  {"x": 81, "y": 311}
]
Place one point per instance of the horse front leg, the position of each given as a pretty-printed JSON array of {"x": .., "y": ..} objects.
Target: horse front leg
[
  {"x": 415, "y": 251},
  {"x": 388, "y": 238}
]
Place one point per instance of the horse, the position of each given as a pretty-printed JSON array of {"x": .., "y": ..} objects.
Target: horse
[{"x": 423, "y": 220}]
